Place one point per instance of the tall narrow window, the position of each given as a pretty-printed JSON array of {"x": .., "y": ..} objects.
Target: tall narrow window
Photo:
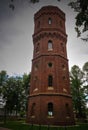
[
  {"x": 50, "y": 21},
  {"x": 33, "y": 109},
  {"x": 63, "y": 67},
  {"x": 50, "y": 109},
  {"x": 67, "y": 109},
  {"x": 50, "y": 81},
  {"x": 50, "y": 45}
]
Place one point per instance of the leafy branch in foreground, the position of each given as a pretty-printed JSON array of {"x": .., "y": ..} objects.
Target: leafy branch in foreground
[{"x": 81, "y": 7}]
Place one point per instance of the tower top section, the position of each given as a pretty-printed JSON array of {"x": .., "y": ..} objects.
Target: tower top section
[
  {"x": 50, "y": 10},
  {"x": 49, "y": 18}
]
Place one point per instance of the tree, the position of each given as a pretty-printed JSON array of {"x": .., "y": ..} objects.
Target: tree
[
  {"x": 13, "y": 94},
  {"x": 81, "y": 7},
  {"x": 78, "y": 96},
  {"x": 3, "y": 77},
  {"x": 26, "y": 84},
  {"x": 3, "y": 80},
  {"x": 10, "y": 94},
  {"x": 14, "y": 91},
  {"x": 85, "y": 70}
]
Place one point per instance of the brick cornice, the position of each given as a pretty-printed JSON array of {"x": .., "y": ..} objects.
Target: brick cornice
[
  {"x": 53, "y": 34},
  {"x": 54, "y": 54},
  {"x": 51, "y": 94}
]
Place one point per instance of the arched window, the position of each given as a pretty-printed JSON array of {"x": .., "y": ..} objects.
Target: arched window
[
  {"x": 50, "y": 45},
  {"x": 50, "y": 21},
  {"x": 67, "y": 109},
  {"x": 36, "y": 67},
  {"x": 50, "y": 109},
  {"x": 63, "y": 67},
  {"x": 33, "y": 109},
  {"x": 50, "y": 81}
]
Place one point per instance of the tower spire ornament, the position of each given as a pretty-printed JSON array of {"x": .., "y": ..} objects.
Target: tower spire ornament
[{"x": 50, "y": 100}]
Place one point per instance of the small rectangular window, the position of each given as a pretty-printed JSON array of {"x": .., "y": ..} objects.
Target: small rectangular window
[
  {"x": 50, "y": 21},
  {"x": 50, "y": 81},
  {"x": 50, "y": 45}
]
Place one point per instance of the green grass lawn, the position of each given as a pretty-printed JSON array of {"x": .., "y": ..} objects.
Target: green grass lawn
[{"x": 20, "y": 125}]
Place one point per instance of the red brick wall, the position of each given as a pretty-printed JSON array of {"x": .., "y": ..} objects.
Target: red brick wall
[
  {"x": 60, "y": 116},
  {"x": 40, "y": 93}
]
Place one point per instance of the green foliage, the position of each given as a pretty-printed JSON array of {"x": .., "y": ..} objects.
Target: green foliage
[
  {"x": 26, "y": 85},
  {"x": 3, "y": 77},
  {"x": 14, "y": 91},
  {"x": 78, "y": 91},
  {"x": 3, "y": 80},
  {"x": 81, "y": 7},
  {"x": 85, "y": 67}
]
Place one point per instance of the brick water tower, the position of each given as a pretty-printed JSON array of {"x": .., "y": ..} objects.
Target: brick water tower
[{"x": 50, "y": 101}]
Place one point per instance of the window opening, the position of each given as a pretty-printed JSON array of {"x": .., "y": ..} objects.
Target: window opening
[
  {"x": 50, "y": 64},
  {"x": 50, "y": 21},
  {"x": 50, "y": 45},
  {"x": 38, "y": 24},
  {"x": 50, "y": 81},
  {"x": 36, "y": 67},
  {"x": 64, "y": 77},
  {"x": 33, "y": 109},
  {"x": 63, "y": 67},
  {"x": 67, "y": 109},
  {"x": 50, "y": 109}
]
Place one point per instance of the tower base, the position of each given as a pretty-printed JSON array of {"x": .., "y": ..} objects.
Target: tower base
[{"x": 61, "y": 116}]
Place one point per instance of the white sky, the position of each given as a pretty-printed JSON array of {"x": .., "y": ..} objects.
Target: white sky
[{"x": 16, "y": 29}]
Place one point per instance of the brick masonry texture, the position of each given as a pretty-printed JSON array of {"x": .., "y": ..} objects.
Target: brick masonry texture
[{"x": 58, "y": 94}]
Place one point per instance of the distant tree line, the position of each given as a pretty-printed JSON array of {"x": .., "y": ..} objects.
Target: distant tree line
[{"x": 14, "y": 91}]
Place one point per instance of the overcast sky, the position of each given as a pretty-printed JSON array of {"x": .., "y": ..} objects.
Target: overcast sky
[{"x": 17, "y": 27}]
